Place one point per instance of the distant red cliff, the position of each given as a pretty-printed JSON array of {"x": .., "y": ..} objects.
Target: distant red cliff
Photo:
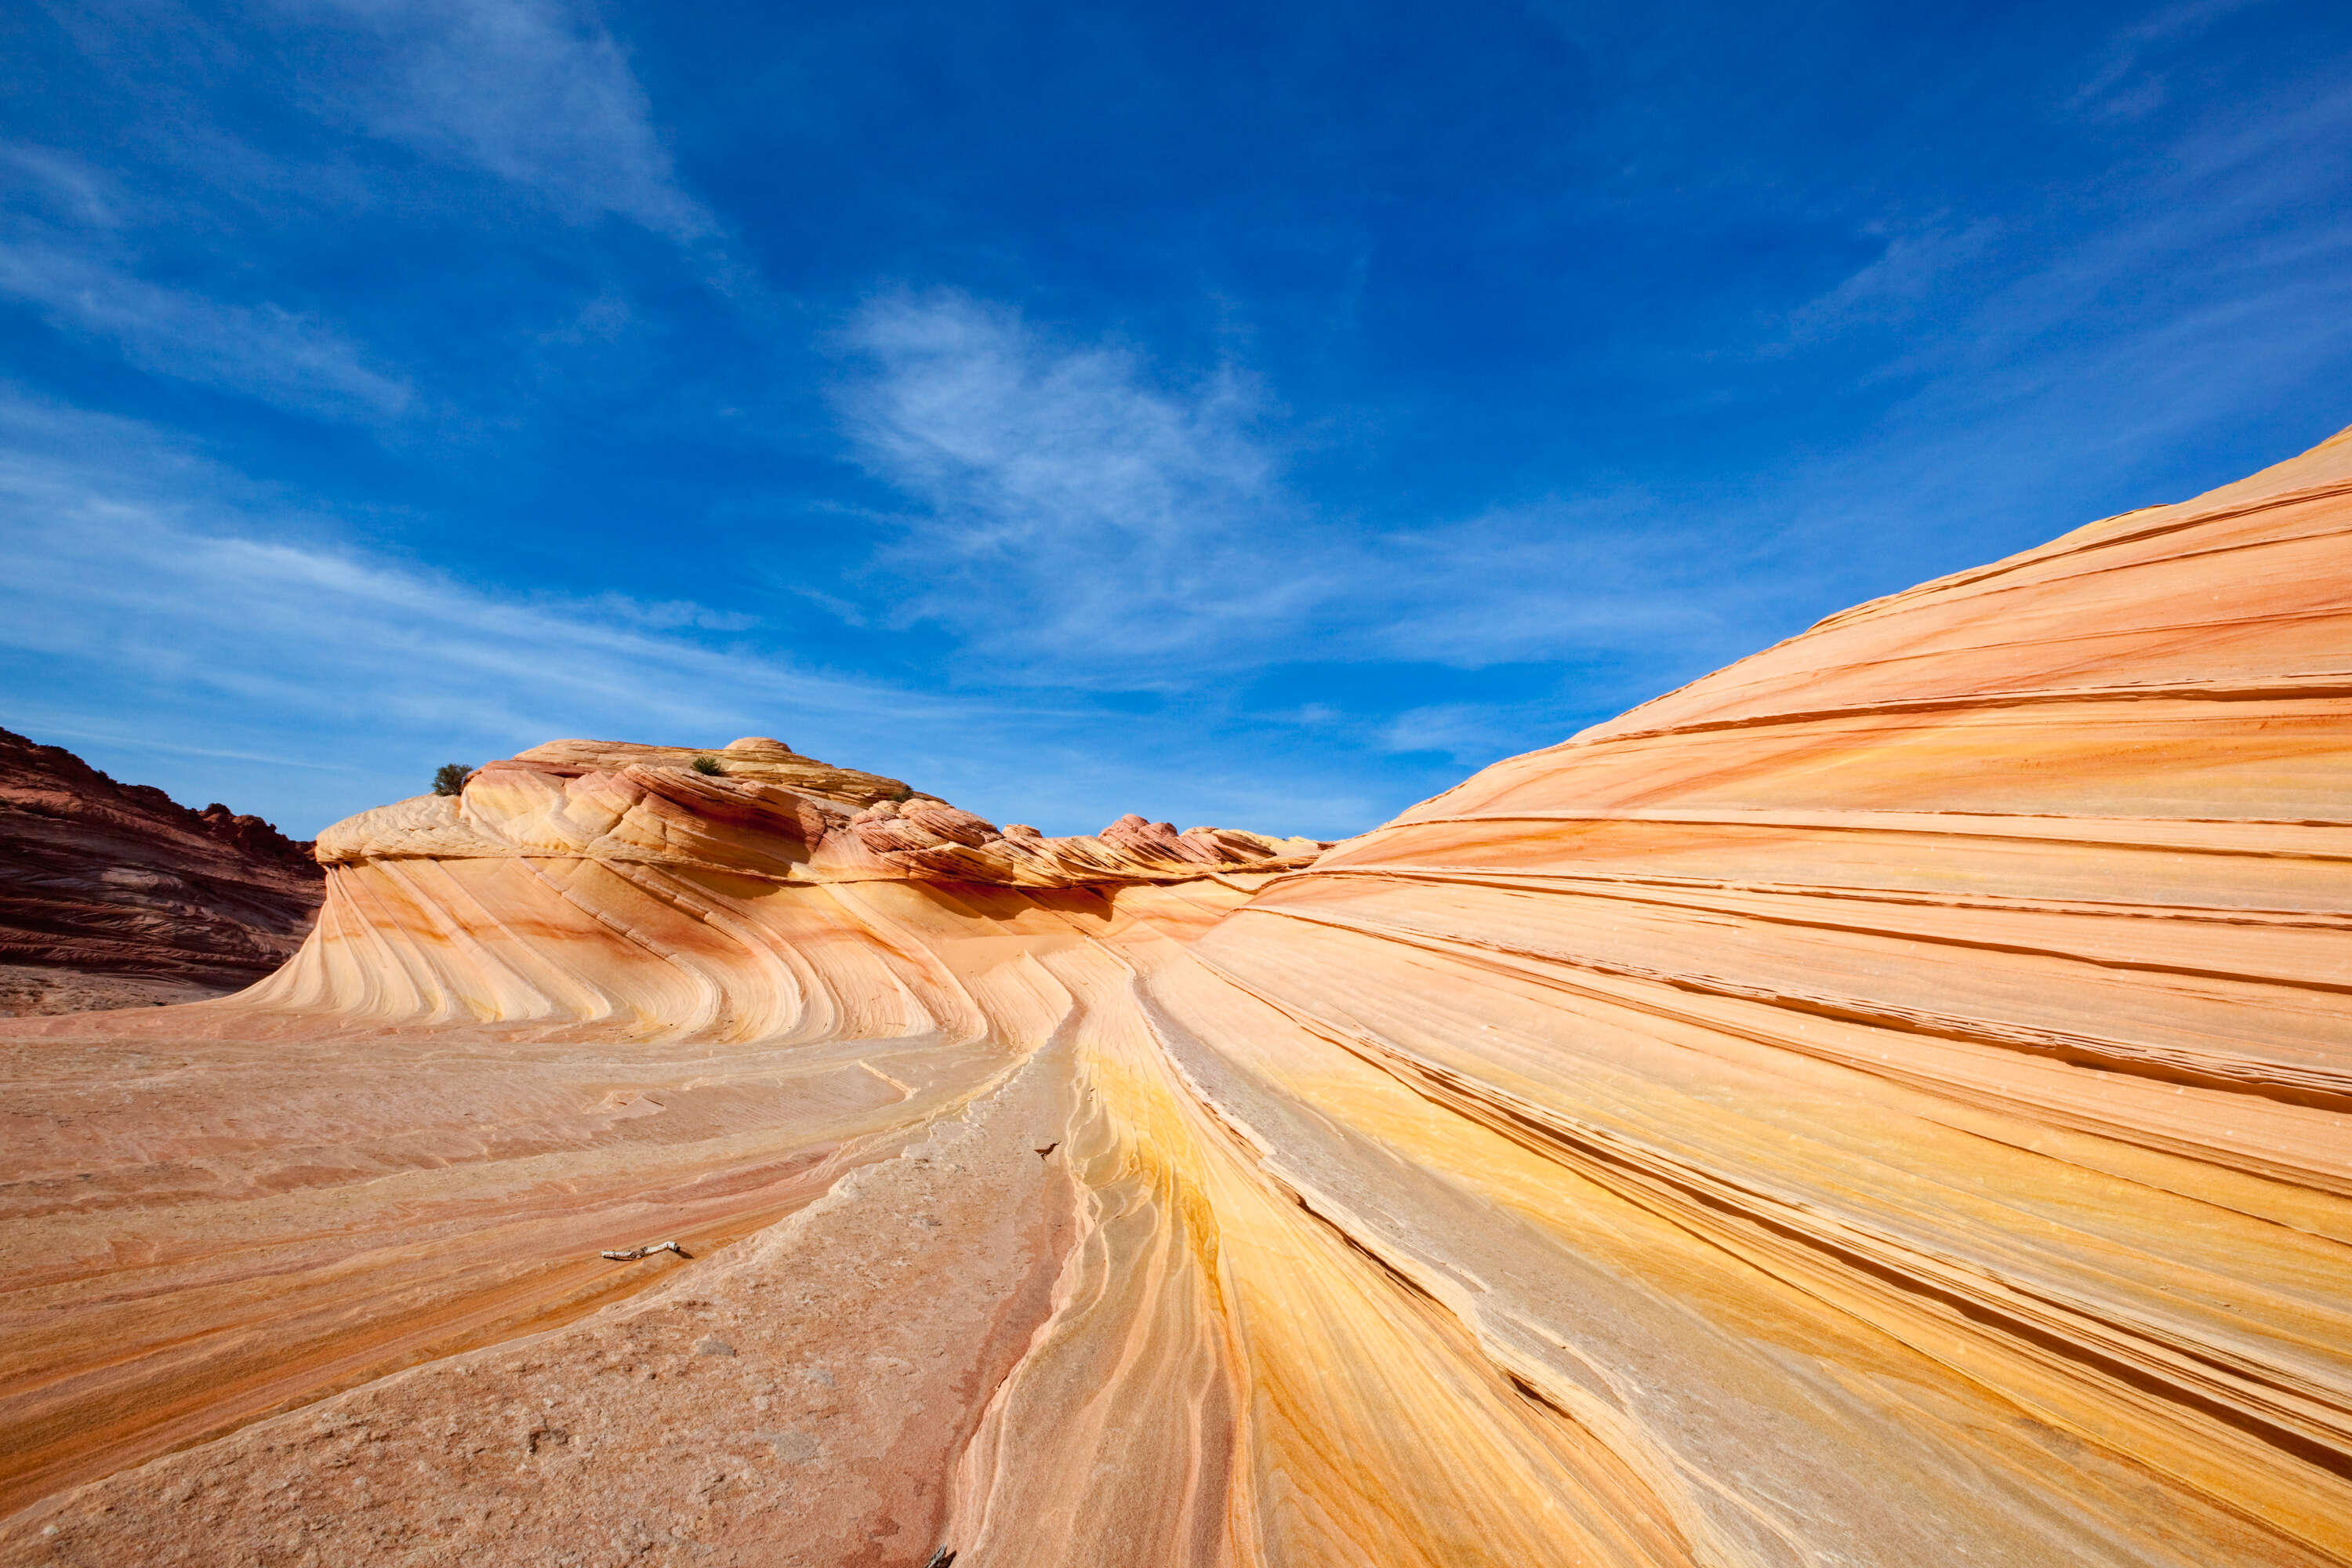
[{"x": 114, "y": 895}]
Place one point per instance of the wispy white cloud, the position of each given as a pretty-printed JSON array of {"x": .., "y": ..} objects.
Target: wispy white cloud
[
  {"x": 141, "y": 566},
  {"x": 63, "y": 734},
  {"x": 263, "y": 351},
  {"x": 1069, "y": 504},
  {"x": 1917, "y": 263},
  {"x": 536, "y": 91},
  {"x": 163, "y": 607},
  {"x": 660, "y": 616},
  {"x": 1551, "y": 578},
  {"x": 61, "y": 252},
  {"x": 1080, "y": 515},
  {"x": 2193, "y": 289},
  {"x": 1470, "y": 733},
  {"x": 2122, "y": 86},
  {"x": 2191, "y": 241},
  {"x": 60, "y": 183}
]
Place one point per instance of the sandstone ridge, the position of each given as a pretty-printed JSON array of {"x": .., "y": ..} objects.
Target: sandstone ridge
[
  {"x": 771, "y": 815},
  {"x": 114, "y": 895},
  {"x": 595, "y": 880},
  {"x": 1889, "y": 1102}
]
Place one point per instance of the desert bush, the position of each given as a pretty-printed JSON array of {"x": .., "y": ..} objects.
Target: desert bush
[
  {"x": 708, "y": 766},
  {"x": 451, "y": 778}
]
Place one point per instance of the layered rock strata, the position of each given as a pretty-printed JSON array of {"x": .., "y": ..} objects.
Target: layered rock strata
[
  {"x": 594, "y": 881},
  {"x": 1885, "y": 1104},
  {"x": 112, "y": 895}
]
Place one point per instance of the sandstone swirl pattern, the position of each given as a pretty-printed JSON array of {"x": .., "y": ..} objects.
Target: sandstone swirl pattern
[{"x": 1886, "y": 1103}]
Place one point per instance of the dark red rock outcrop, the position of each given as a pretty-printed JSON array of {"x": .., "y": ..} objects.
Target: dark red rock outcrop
[{"x": 114, "y": 895}]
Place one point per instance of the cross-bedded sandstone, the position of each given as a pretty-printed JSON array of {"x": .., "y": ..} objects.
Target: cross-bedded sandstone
[{"x": 1889, "y": 1102}]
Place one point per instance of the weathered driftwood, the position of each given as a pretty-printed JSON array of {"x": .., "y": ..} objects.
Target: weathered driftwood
[{"x": 633, "y": 1253}]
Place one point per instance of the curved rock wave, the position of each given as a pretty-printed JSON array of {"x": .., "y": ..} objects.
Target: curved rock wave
[
  {"x": 603, "y": 882},
  {"x": 1885, "y": 1104}
]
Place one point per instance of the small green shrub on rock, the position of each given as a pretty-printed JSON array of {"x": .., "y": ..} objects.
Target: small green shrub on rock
[
  {"x": 707, "y": 765},
  {"x": 451, "y": 778}
]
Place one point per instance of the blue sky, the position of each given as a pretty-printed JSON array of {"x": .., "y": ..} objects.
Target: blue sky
[{"x": 1261, "y": 414}]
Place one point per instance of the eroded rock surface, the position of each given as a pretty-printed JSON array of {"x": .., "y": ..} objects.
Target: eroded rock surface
[
  {"x": 600, "y": 995},
  {"x": 1883, "y": 1104},
  {"x": 113, "y": 896}
]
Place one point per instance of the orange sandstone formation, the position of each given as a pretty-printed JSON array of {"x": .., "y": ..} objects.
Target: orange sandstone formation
[{"x": 1885, "y": 1104}]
